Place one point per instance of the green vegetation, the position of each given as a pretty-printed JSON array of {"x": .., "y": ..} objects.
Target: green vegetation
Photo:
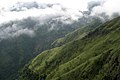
[
  {"x": 15, "y": 52},
  {"x": 78, "y": 33},
  {"x": 96, "y": 56}
]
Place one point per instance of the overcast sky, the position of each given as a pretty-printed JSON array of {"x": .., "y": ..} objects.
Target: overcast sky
[
  {"x": 37, "y": 12},
  {"x": 72, "y": 7},
  {"x": 79, "y": 4}
]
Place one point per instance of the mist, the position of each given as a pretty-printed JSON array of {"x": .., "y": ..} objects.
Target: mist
[
  {"x": 108, "y": 7},
  {"x": 26, "y": 17}
]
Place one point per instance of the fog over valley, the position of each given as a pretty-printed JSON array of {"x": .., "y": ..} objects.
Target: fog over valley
[{"x": 59, "y": 39}]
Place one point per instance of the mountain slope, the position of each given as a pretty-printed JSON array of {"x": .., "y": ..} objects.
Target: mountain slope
[
  {"x": 22, "y": 40},
  {"x": 78, "y": 33},
  {"x": 15, "y": 52},
  {"x": 94, "y": 57}
]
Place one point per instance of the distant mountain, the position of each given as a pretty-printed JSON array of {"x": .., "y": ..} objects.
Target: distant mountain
[
  {"x": 93, "y": 57},
  {"x": 78, "y": 33},
  {"x": 22, "y": 40}
]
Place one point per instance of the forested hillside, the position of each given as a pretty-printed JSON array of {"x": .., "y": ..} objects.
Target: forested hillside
[
  {"x": 59, "y": 39},
  {"x": 93, "y": 57},
  {"x": 78, "y": 33},
  {"x": 18, "y": 47}
]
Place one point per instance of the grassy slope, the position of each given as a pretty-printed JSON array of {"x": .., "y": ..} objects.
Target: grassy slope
[
  {"x": 16, "y": 52},
  {"x": 78, "y": 33},
  {"x": 94, "y": 57}
]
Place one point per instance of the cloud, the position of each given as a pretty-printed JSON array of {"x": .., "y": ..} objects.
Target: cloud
[
  {"x": 23, "y": 10},
  {"x": 23, "y": 6},
  {"x": 27, "y": 16},
  {"x": 36, "y": 8},
  {"x": 115, "y": 14},
  {"x": 92, "y": 5},
  {"x": 11, "y": 29},
  {"x": 109, "y": 7},
  {"x": 25, "y": 31},
  {"x": 30, "y": 25}
]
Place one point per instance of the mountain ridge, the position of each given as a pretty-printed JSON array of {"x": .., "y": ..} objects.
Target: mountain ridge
[{"x": 88, "y": 58}]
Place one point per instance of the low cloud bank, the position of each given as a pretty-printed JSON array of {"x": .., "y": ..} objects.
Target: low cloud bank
[{"x": 26, "y": 17}]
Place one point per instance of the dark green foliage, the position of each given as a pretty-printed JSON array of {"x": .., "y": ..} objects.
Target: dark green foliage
[
  {"x": 16, "y": 52},
  {"x": 29, "y": 73},
  {"x": 94, "y": 57},
  {"x": 78, "y": 33}
]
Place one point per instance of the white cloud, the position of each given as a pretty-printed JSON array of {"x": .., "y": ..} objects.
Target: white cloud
[
  {"x": 23, "y": 31},
  {"x": 68, "y": 3},
  {"x": 14, "y": 31},
  {"x": 72, "y": 8},
  {"x": 54, "y": 10},
  {"x": 67, "y": 11},
  {"x": 108, "y": 6}
]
